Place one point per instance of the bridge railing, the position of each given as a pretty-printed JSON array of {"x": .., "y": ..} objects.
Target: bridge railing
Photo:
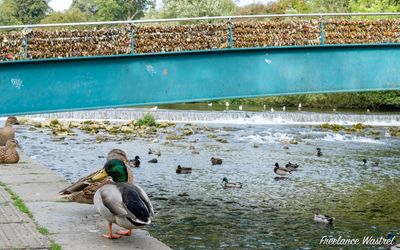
[{"x": 22, "y": 42}]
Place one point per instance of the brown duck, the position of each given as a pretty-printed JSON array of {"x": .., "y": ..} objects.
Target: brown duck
[
  {"x": 216, "y": 161},
  {"x": 84, "y": 189},
  {"x": 8, "y": 132},
  {"x": 9, "y": 153}
]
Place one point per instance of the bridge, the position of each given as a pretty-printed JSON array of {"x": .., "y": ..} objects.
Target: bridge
[{"x": 47, "y": 70}]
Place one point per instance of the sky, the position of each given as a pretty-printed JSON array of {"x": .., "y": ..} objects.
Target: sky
[{"x": 60, "y": 5}]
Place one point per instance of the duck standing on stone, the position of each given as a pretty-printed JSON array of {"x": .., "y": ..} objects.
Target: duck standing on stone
[
  {"x": 84, "y": 189},
  {"x": 8, "y": 132},
  {"x": 9, "y": 153},
  {"x": 216, "y": 161},
  {"x": 126, "y": 205},
  {"x": 281, "y": 172}
]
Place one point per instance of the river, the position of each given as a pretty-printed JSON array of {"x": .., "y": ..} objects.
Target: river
[{"x": 266, "y": 213}]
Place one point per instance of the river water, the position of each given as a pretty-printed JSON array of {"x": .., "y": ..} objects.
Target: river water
[{"x": 266, "y": 213}]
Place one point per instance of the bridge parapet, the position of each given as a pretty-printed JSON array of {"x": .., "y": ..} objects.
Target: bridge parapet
[{"x": 194, "y": 34}]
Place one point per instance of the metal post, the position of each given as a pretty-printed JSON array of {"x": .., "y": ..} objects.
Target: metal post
[
  {"x": 230, "y": 33},
  {"x": 26, "y": 39},
  {"x": 321, "y": 32},
  {"x": 133, "y": 40}
]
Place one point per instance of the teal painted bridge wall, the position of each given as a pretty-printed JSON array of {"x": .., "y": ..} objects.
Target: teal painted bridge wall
[{"x": 84, "y": 83}]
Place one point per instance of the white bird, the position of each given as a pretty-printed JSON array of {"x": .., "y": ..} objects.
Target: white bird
[
  {"x": 272, "y": 110},
  {"x": 299, "y": 106},
  {"x": 226, "y": 104},
  {"x": 265, "y": 107},
  {"x": 323, "y": 218},
  {"x": 209, "y": 104},
  {"x": 334, "y": 110},
  {"x": 284, "y": 108},
  {"x": 154, "y": 108},
  {"x": 240, "y": 107},
  {"x": 368, "y": 110}
]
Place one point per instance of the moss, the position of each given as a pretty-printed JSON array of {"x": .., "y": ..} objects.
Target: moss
[
  {"x": 43, "y": 230},
  {"x": 332, "y": 126},
  {"x": 147, "y": 120},
  {"x": 55, "y": 246}
]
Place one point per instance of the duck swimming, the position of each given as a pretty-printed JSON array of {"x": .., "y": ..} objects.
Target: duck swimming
[
  {"x": 227, "y": 184},
  {"x": 9, "y": 153},
  {"x": 183, "y": 170},
  {"x": 83, "y": 190},
  {"x": 282, "y": 172},
  {"x": 323, "y": 218},
  {"x": 216, "y": 161},
  {"x": 135, "y": 162},
  {"x": 291, "y": 167},
  {"x": 121, "y": 203},
  {"x": 319, "y": 153},
  {"x": 155, "y": 152},
  {"x": 8, "y": 132}
]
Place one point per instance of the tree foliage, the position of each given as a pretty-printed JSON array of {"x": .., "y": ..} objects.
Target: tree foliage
[
  {"x": 23, "y": 11},
  {"x": 69, "y": 16}
]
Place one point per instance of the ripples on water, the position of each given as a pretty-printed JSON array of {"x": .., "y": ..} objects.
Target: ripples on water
[{"x": 265, "y": 213}]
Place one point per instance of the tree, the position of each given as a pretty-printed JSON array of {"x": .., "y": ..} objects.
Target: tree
[
  {"x": 330, "y": 6},
  {"x": 190, "y": 8},
  {"x": 373, "y": 6},
  {"x": 7, "y": 17},
  {"x": 69, "y": 16},
  {"x": 23, "y": 11},
  {"x": 108, "y": 10},
  {"x": 88, "y": 7}
]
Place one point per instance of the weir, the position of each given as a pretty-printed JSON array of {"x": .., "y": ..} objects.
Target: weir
[{"x": 62, "y": 84}]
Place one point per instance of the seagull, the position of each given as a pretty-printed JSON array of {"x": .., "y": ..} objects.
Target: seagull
[
  {"x": 226, "y": 104},
  {"x": 334, "y": 110},
  {"x": 284, "y": 108},
  {"x": 272, "y": 110},
  {"x": 265, "y": 107},
  {"x": 299, "y": 106},
  {"x": 240, "y": 107},
  {"x": 209, "y": 104},
  {"x": 368, "y": 110},
  {"x": 154, "y": 108}
]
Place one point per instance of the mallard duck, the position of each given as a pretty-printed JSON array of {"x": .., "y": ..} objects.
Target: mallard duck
[
  {"x": 393, "y": 245},
  {"x": 9, "y": 153},
  {"x": 84, "y": 189},
  {"x": 291, "y": 167},
  {"x": 323, "y": 218},
  {"x": 154, "y": 160},
  {"x": 183, "y": 170},
  {"x": 124, "y": 204},
  {"x": 8, "y": 132},
  {"x": 216, "y": 161},
  {"x": 227, "y": 184},
  {"x": 373, "y": 164},
  {"x": 135, "y": 162},
  {"x": 281, "y": 171},
  {"x": 319, "y": 153},
  {"x": 155, "y": 152}
]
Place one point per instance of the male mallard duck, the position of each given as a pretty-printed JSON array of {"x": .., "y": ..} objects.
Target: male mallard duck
[
  {"x": 281, "y": 171},
  {"x": 154, "y": 160},
  {"x": 291, "y": 167},
  {"x": 227, "y": 184},
  {"x": 135, "y": 162},
  {"x": 9, "y": 153},
  {"x": 84, "y": 189},
  {"x": 319, "y": 153},
  {"x": 323, "y": 218},
  {"x": 216, "y": 161},
  {"x": 126, "y": 205},
  {"x": 8, "y": 132},
  {"x": 155, "y": 152},
  {"x": 182, "y": 170}
]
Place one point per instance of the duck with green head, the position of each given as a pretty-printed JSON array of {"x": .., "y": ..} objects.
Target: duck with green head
[
  {"x": 126, "y": 205},
  {"x": 227, "y": 184},
  {"x": 84, "y": 189}
]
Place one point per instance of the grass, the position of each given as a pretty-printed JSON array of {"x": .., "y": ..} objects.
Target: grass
[
  {"x": 147, "y": 120},
  {"x": 20, "y": 204}
]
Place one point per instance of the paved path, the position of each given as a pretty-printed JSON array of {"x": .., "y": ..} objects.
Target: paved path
[{"x": 71, "y": 225}]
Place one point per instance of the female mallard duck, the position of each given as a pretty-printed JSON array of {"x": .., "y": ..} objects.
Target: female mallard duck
[
  {"x": 155, "y": 152},
  {"x": 282, "y": 172},
  {"x": 227, "y": 184},
  {"x": 84, "y": 189},
  {"x": 291, "y": 166},
  {"x": 120, "y": 154},
  {"x": 9, "y": 153},
  {"x": 216, "y": 161},
  {"x": 8, "y": 132},
  {"x": 135, "y": 162},
  {"x": 183, "y": 170},
  {"x": 126, "y": 205},
  {"x": 323, "y": 218}
]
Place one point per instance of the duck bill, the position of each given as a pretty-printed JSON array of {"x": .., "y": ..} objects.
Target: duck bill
[{"x": 100, "y": 176}]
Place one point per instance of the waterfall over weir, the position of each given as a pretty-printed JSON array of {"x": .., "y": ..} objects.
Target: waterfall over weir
[{"x": 228, "y": 117}]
